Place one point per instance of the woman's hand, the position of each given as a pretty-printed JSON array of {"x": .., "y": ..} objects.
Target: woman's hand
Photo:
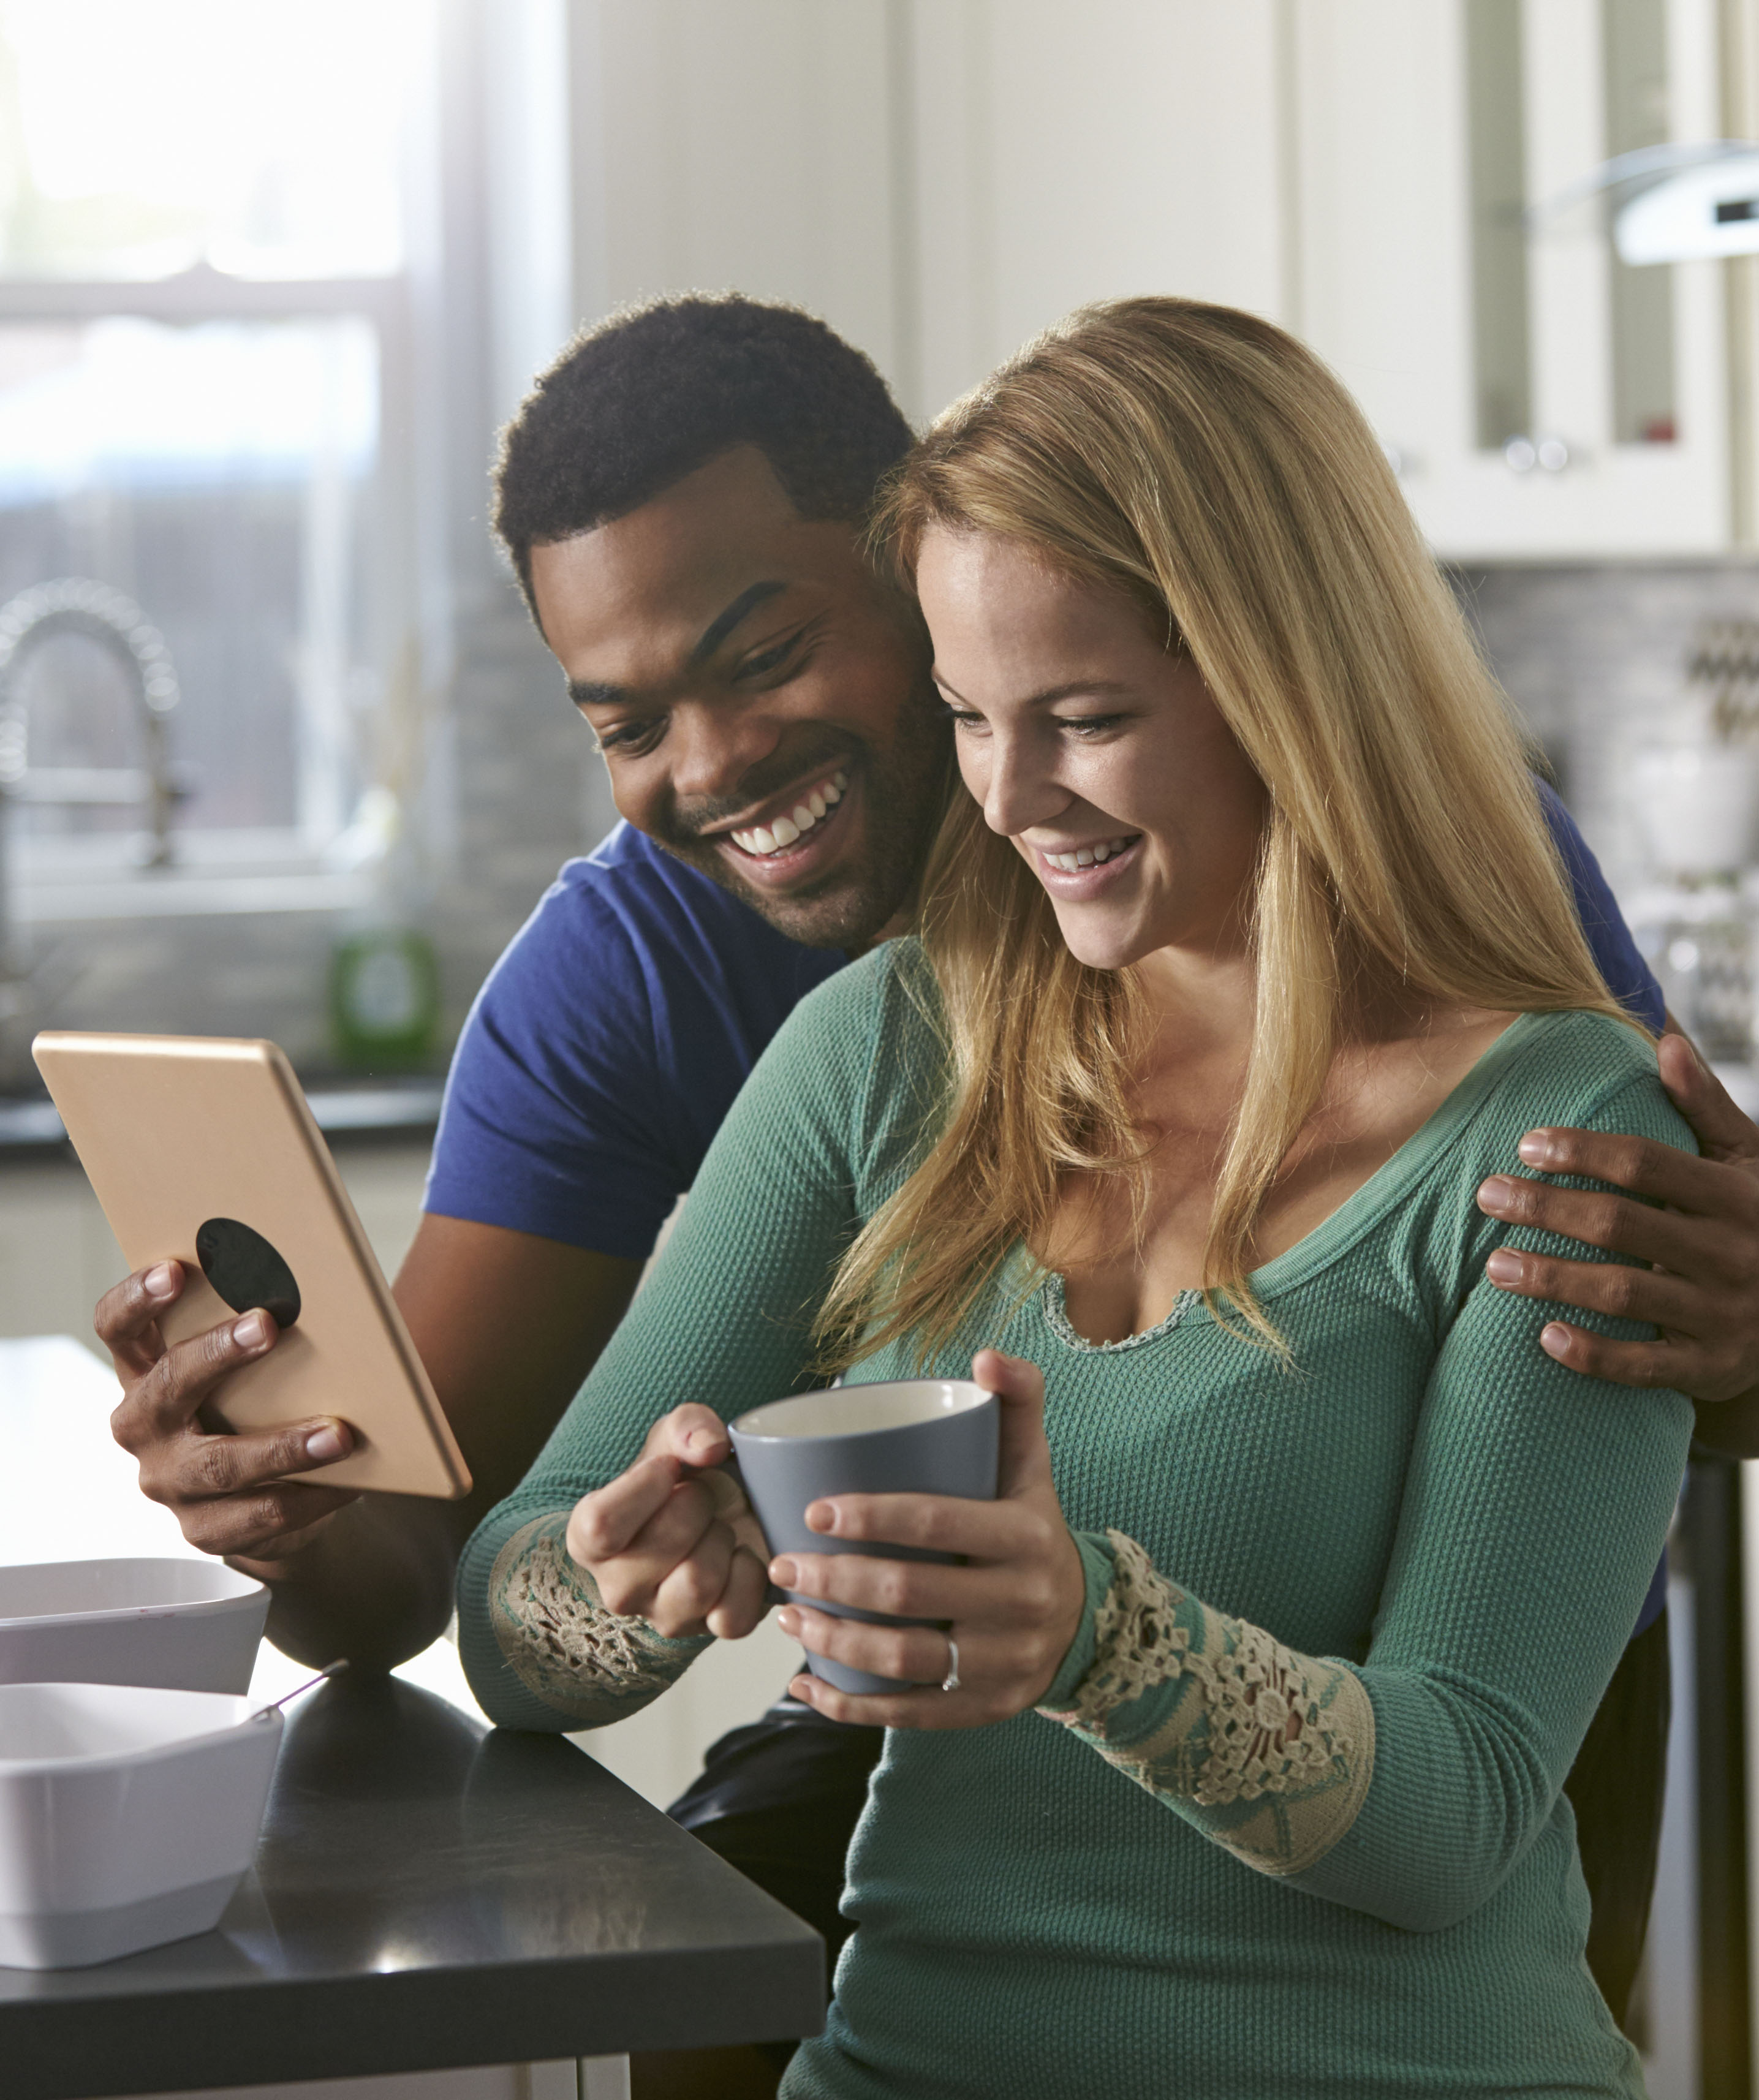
[
  {"x": 673, "y": 1541},
  {"x": 1014, "y": 1609}
]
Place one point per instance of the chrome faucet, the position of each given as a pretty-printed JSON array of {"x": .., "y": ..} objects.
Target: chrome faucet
[{"x": 76, "y": 605}]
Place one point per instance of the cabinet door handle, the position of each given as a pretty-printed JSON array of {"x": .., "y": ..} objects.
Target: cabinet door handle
[{"x": 1549, "y": 455}]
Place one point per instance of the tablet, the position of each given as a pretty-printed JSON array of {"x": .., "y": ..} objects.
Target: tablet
[{"x": 201, "y": 1150}]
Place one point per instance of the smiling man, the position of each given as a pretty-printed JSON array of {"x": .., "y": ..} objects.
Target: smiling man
[{"x": 684, "y": 496}]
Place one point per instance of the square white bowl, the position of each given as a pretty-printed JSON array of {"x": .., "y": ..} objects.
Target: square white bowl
[
  {"x": 128, "y": 1815},
  {"x": 191, "y": 1625}
]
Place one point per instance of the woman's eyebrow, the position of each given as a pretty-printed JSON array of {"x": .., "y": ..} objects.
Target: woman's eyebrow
[{"x": 1067, "y": 691}]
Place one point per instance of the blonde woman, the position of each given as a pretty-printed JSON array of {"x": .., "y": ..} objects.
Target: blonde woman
[{"x": 1246, "y": 957}]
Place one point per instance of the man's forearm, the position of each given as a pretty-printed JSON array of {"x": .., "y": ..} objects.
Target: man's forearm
[{"x": 374, "y": 1584}]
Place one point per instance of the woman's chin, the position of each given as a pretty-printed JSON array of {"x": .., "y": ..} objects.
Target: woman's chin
[{"x": 1102, "y": 947}]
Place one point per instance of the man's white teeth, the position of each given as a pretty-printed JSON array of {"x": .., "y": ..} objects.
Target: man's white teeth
[
  {"x": 787, "y": 831},
  {"x": 1087, "y": 856}
]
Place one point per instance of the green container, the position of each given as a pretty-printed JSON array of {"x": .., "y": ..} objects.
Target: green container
[{"x": 384, "y": 999}]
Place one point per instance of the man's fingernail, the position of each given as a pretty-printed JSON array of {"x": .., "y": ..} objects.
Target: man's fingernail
[
  {"x": 783, "y": 1573},
  {"x": 1535, "y": 1148},
  {"x": 253, "y": 1331},
  {"x": 1497, "y": 1193},
  {"x": 325, "y": 1443},
  {"x": 1555, "y": 1340},
  {"x": 821, "y": 1516},
  {"x": 159, "y": 1281},
  {"x": 1504, "y": 1267}
]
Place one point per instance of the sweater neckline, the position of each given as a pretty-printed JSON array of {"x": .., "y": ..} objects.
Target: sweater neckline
[{"x": 1360, "y": 1211}]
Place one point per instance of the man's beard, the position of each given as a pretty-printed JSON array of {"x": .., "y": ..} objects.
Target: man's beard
[{"x": 904, "y": 793}]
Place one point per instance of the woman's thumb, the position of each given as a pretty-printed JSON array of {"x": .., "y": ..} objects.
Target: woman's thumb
[{"x": 1024, "y": 1457}]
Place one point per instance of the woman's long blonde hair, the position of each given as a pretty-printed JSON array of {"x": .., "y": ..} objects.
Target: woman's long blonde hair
[{"x": 1203, "y": 462}]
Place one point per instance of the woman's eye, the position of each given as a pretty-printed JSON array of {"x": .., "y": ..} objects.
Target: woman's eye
[
  {"x": 964, "y": 718},
  {"x": 1088, "y": 724}
]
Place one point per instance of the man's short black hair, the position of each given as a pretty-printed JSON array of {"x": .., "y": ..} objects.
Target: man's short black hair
[{"x": 658, "y": 391}]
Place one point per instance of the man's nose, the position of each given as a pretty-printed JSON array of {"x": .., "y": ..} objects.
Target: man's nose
[{"x": 714, "y": 748}]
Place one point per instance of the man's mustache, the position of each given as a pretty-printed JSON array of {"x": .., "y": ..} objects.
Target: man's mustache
[{"x": 687, "y": 821}]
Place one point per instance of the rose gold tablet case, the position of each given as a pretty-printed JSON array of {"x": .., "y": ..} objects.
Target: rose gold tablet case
[{"x": 174, "y": 1130}]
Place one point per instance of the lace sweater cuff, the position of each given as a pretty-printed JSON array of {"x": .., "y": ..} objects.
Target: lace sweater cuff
[
  {"x": 1267, "y": 1752},
  {"x": 573, "y": 1654}
]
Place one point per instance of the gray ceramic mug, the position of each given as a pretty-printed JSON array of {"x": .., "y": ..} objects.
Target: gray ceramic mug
[{"x": 924, "y": 1436}]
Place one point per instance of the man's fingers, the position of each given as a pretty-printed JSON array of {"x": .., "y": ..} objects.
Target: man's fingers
[
  {"x": 166, "y": 1401},
  {"x": 1626, "y": 1363},
  {"x": 127, "y": 1315},
  {"x": 1702, "y": 1188},
  {"x": 1721, "y": 1130},
  {"x": 1615, "y": 1223},
  {"x": 199, "y": 1468},
  {"x": 261, "y": 1525},
  {"x": 1599, "y": 1286}
]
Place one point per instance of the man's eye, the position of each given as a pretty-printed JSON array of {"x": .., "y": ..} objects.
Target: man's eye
[
  {"x": 768, "y": 659},
  {"x": 627, "y": 736}
]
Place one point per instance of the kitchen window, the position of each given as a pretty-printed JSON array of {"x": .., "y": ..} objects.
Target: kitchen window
[{"x": 206, "y": 228}]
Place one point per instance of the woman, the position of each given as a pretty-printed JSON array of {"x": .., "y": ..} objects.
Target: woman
[{"x": 1238, "y": 1768}]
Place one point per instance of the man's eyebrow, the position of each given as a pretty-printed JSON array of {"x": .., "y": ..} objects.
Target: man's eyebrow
[
  {"x": 723, "y": 623},
  {"x": 589, "y": 693},
  {"x": 1068, "y": 690}
]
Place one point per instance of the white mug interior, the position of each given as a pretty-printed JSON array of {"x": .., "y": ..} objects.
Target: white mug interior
[{"x": 858, "y": 1410}]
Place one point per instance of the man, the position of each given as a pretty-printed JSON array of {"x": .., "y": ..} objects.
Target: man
[{"x": 683, "y": 498}]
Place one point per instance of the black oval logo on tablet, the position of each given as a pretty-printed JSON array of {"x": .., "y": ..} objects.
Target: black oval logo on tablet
[{"x": 246, "y": 1271}]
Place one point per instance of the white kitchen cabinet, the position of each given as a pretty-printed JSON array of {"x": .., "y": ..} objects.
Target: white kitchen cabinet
[
  {"x": 1058, "y": 154},
  {"x": 1421, "y": 128}
]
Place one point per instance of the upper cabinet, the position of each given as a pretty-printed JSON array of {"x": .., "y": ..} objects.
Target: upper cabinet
[
  {"x": 1538, "y": 396},
  {"x": 1392, "y": 179}
]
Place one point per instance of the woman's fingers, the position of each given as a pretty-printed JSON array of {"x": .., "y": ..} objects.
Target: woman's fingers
[
  {"x": 744, "y": 1601},
  {"x": 910, "y": 1589}
]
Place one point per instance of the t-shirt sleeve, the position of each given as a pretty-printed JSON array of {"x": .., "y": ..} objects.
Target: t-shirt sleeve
[
  {"x": 555, "y": 1120},
  {"x": 1628, "y": 977}
]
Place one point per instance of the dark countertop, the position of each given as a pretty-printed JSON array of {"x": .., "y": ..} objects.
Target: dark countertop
[
  {"x": 383, "y": 1108},
  {"x": 428, "y": 1894}
]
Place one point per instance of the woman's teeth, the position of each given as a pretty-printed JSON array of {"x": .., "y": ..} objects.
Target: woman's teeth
[
  {"x": 1089, "y": 856},
  {"x": 810, "y": 811}
]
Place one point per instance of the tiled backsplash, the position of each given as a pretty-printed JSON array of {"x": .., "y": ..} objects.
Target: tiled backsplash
[
  {"x": 1595, "y": 660},
  {"x": 1594, "y": 657}
]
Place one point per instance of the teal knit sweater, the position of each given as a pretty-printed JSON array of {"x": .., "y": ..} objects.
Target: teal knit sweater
[{"x": 1427, "y": 1539}]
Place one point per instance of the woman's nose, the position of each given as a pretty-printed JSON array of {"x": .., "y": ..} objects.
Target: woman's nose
[{"x": 1017, "y": 792}]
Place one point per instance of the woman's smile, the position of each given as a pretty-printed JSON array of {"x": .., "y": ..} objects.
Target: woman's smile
[{"x": 1088, "y": 870}]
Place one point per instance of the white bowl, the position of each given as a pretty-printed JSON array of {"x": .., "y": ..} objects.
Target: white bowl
[
  {"x": 190, "y": 1625},
  {"x": 128, "y": 1815}
]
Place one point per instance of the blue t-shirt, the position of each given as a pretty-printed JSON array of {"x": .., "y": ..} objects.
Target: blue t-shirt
[{"x": 610, "y": 1039}]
